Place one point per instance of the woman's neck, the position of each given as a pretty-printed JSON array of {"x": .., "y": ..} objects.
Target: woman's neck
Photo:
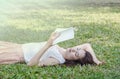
[{"x": 62, "y": 51}]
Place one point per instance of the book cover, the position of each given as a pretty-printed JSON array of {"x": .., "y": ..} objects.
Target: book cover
[{"x": 65, "y": 34}]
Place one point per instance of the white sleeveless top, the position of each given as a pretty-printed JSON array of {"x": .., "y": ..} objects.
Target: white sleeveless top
[{"x": 30, "y": 49}]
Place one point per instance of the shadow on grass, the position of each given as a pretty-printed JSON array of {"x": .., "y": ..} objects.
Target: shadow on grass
[
  {"x": 82, "y": 5},
  {"x": 87, "y": 3}
]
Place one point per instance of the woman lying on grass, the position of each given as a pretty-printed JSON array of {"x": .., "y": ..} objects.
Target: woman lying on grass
[{"x": 44, "y": 54}]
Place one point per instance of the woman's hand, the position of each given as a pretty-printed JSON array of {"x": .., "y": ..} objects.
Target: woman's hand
[
  {"x": 53, "y": 37},
  {"x": 101, "y": 63}
]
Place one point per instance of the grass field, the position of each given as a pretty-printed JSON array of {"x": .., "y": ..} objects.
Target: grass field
[{"x": 95, "y": 21}]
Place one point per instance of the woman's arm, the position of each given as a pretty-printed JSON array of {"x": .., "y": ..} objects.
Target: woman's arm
[
  {"x": 35, "y": 59},
  {"x": 49, "y": 62},
  {"x": 88, "y": 48}
]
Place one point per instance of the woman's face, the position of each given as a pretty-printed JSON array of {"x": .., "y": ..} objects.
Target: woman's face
[{"x": 75, "y": 53}]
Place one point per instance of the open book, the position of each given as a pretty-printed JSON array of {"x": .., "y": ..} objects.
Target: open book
[{"x": 65, "y": 34}]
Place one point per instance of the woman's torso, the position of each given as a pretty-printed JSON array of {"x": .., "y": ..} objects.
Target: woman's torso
[{"x": 30, "y": 49}]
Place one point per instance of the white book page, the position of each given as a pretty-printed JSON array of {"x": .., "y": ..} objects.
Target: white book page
[{"x": 65, "y": 34}]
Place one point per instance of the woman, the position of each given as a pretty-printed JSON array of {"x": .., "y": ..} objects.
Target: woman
[{"x": 45, "y": 53}]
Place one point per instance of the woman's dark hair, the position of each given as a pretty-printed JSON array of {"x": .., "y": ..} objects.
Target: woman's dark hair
[{"x": 88, "y": 59}]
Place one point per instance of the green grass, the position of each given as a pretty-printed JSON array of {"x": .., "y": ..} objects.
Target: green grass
[{"x": 96, "y": 22}]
